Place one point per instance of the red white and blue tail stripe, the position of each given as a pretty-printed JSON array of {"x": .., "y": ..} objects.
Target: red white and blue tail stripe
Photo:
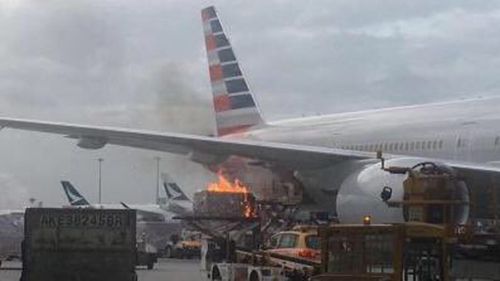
[{"x": 235, "y": 107}]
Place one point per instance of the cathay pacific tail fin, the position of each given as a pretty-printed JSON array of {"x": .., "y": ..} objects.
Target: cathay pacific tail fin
[
  {"x": 173, "y": 191},
  {"x": 74, "y": 197}
]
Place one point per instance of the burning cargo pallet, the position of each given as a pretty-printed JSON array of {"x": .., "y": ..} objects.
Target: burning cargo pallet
[
  {"x": 225, "y": 199},
  {"x": 224, "y": 204}
]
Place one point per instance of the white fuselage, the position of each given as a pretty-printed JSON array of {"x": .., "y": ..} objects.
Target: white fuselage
[
  {"x": 179, "y": 207},
  {"x": 146, "y": 212},
  {"x": 463, "y": 130}
]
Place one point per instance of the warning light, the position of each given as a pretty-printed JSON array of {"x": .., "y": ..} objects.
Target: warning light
[
  {"x": 367, "y": 220},
  {"x": 306, "y": 253}
]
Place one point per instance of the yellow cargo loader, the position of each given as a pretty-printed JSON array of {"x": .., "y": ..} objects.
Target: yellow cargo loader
[{"x": 408, "y": 251}]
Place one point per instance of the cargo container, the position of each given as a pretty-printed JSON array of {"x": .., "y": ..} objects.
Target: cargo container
[
  {"x": 79, "y": 244},
  {"x": 224, "y": 204}
]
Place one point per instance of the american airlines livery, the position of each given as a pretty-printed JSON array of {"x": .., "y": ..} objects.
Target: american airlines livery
[{"x": 331, "y": 157}]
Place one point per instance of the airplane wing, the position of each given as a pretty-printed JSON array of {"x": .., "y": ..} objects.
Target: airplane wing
[
  {"x": 474, "y": 168},
  {"x": 205, "y": 149},
  {"x": 199, "y": 148}
]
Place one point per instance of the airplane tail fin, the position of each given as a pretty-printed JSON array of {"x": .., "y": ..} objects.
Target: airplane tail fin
[
  {"x": 173, "y": 191},
  {"x": 235, "y": 107},
  {"x": 74, "y": 197}
]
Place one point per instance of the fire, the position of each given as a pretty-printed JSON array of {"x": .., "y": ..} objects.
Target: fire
[{"x": 225, "y": 185}]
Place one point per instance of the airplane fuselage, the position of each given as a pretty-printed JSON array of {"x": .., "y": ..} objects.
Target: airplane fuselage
[
  {"x": 463, "y": 130},
  {"x": 466, "y": 131},
  {"x": 146, "y": 212}
]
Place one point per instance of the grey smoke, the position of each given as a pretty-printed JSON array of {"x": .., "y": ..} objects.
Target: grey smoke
[{"x": 176, "y": 105}]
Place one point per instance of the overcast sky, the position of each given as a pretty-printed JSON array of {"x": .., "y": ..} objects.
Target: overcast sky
[{"x": 141, "y": 64}]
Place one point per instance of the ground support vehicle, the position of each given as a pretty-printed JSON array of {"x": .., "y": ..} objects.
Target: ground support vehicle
[
  {"x": 185, "y": 245},
  {"x": 184, "y": 249},
  {"x": 224, "y": 258},
  {"x": 160, "y": 234},
  {"x": 244, "y": 271},
  {"x": 301, "y": 241},
  {"x": 431, "y": 194},
  {"x": 471, "y": 217},
  {"x": 408, "y": 251},
  {"x": 146, "y": 255},
  {"x": 479, "y": 244}
]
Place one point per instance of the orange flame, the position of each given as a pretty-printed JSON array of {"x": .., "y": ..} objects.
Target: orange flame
[{"x": 224, "y": 185}]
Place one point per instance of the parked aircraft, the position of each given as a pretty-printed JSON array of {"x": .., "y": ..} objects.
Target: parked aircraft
[
  {"x": 177, "y": 200},
  {"x": 331, "y": 157},
  {"x": 145, "y": 212}
]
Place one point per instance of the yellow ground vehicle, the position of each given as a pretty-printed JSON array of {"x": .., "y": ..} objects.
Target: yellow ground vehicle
[
  {"x": 185, "y": 249},
  {"x": 409, "y": 251},
  {"x": 299, "y": 243},
  {"x": 188, "y": 245}
]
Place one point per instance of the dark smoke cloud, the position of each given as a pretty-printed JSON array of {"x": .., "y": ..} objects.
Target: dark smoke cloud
[
  {"x": 177, "y": 104},
  {"x": 102, "y": 63}
]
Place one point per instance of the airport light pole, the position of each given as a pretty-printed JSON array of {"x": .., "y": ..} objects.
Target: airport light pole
[
  {"x": 157, "y": 179},
  {"x": 99, "y": 175}
]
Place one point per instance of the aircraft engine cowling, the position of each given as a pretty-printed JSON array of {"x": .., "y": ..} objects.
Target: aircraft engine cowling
[
  {"x": 360, "y": 193},
  {"x": 91, "y": 142}
]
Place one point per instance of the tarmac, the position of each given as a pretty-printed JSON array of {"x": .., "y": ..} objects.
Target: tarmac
[
  {"x": 185, "y": 270},
  {"x": 165, "y": 269}
]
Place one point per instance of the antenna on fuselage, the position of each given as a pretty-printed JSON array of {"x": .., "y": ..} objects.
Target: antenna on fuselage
[{"x": 382, "y": 160}]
